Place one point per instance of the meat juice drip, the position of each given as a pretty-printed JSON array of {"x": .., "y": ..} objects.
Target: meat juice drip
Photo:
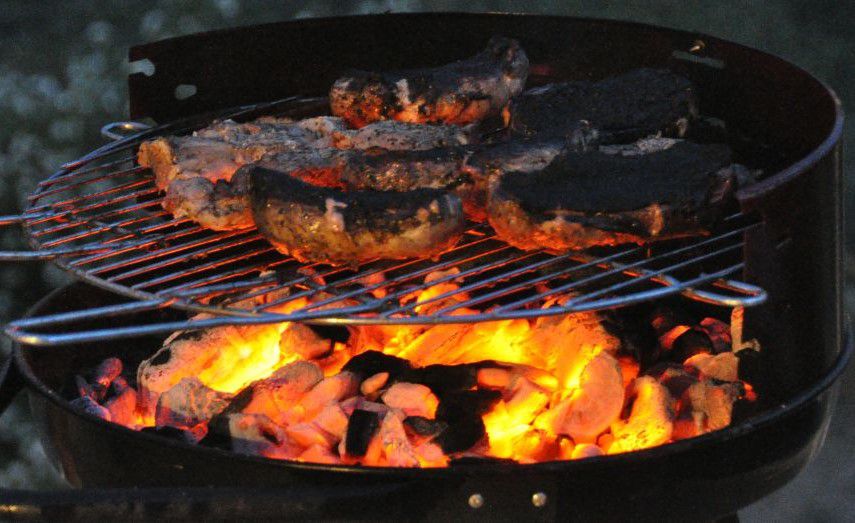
[{"x": 551, "y": 388}]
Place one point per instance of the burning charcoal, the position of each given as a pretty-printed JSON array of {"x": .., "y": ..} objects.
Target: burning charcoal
[
  {"x": 123, "y": 407},
  {"x": 565, "y": 447},
  {"x": 84, "y": 389},
  {"x": 594, "y": 405},
  {"x": 334, "y": 333},
  {"x": 688, "y": 424},
  {"x": 89, "y": 406},
  {"x": 663, "y": 320},
  {"x": 462, "y": 434},
  {"x": 188, "y": 404},
  {"x": 277, "y": 395},
  {"x": 719, "y": 333},
  {"x": 107, "y": 371},
  {"x": 396, "y": 446},
  {"x": 650, "y": 420},
  {"x": 373, "y": 384},
  {"x": 374, "y": 362},
  {"x": 171, "y": 433},
  {"x": 605, "y": 441},
  {"x": 360, "y": 429},
  {"x": 430, "y": 455},
  {"x": 714, "y": 401},
  {"x": 309, "y": 434},
  {"x": 358, "y": 402},
  {"x": 586, "y": 450},
  {"x": 294, "y": 379},
  {"x": 333, "y": 420},
  {"x": 412, "y": 398},
  {"x": 444, "y": 379},
  {"x": 462, "y": 411},
  {"x": 319, "y": 454},
  {"x": 457, "y": 406},
  {"x": 674, "y": 378},
  {"x": 690, "y": 343},
  {"x": 118, "y": 386},
  {"x": 629, "y": 369},
  {"x": 332, "y": 389},
  {"x": 229, "y": 356},
  {"x": 303, "y": 340},
  {"x": 257, "y": 435},
  {"x": 526, "y": 400},
  {"x": 494, "y": 378},
  {"x": 722, "y": 367},
  {"x": 420, "y": 426}
]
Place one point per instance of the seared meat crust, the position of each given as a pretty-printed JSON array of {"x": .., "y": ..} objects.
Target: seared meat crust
[
  {"x": 614, "y": 197},
  {"x": 459, "y": 93},
  {"x": 320, "y": 224},
  {"x": 622, "y": 108},
  {"x": 196, "y": 171}
]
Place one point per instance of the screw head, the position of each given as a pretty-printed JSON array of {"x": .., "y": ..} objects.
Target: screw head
[
  {"x": 539, "y": 499},
  {"x": 476, "y": 501}
]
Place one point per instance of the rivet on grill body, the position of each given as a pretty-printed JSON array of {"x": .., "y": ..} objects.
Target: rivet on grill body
[
  {"x": 539, "y": 499},
  {"x": 476, "y": 501}
]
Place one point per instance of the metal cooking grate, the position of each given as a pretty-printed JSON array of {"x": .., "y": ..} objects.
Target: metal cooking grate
[{"x": 100, "y": 218}]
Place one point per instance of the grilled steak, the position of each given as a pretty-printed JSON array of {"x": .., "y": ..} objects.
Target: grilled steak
[
  {"x": 612, "y": 196},
  {"x": 402, "y": 136},
  {"x": 460, "y": 93},
  {"x": 322, "y": 224},
  {"x": 622, "y": 108},
  {"x": 196, "y": 171},
  {"x": 217, "y": 151}
]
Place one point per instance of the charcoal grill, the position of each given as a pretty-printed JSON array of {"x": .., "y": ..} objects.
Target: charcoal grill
[{"x": 100, "y": 218}]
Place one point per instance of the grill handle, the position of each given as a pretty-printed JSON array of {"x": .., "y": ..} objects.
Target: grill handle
[
  {"x": 47, "y": 254},
  {"x": 118, "y": 130},
  {"x": 114, "y": 131}
]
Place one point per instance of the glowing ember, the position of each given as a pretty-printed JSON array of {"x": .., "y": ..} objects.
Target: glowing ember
[{"x": 553, "y": 388}]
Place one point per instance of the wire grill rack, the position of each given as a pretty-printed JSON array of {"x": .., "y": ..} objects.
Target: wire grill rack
[{"x": 100, "y": 218}]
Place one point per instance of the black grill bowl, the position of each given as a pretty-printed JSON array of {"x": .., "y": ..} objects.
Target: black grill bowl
[{"x": 794, "y": 120}]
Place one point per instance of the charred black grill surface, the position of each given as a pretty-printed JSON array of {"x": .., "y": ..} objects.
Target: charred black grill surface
[{"x": 621, "y": 108}]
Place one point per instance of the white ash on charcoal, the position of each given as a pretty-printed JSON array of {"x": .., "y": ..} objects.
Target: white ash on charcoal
[
  {"x": 122, "y": 402},
  {"x": 278, "y": 396},
  {"x": 413, "y": 399},
  {"x": 651, "y": 418},
  {"x": 188, "y": 404},
  {"x": 258, "y": 435},
  {"x": 554, "y": 388},
  {"x": 89, "y": 406}
]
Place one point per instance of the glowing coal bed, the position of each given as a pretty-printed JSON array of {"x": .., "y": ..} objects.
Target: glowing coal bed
[{"x": 528, "y": 390}]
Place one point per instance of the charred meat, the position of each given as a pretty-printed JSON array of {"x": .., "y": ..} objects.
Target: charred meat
[
  {"x": 458, "y": 93},
  {"x": 613, "y": 196},
  {"x": 196, "y": 171},
  {"x": 622, "y": 108},
  {"x": 322, "y": 224}
]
